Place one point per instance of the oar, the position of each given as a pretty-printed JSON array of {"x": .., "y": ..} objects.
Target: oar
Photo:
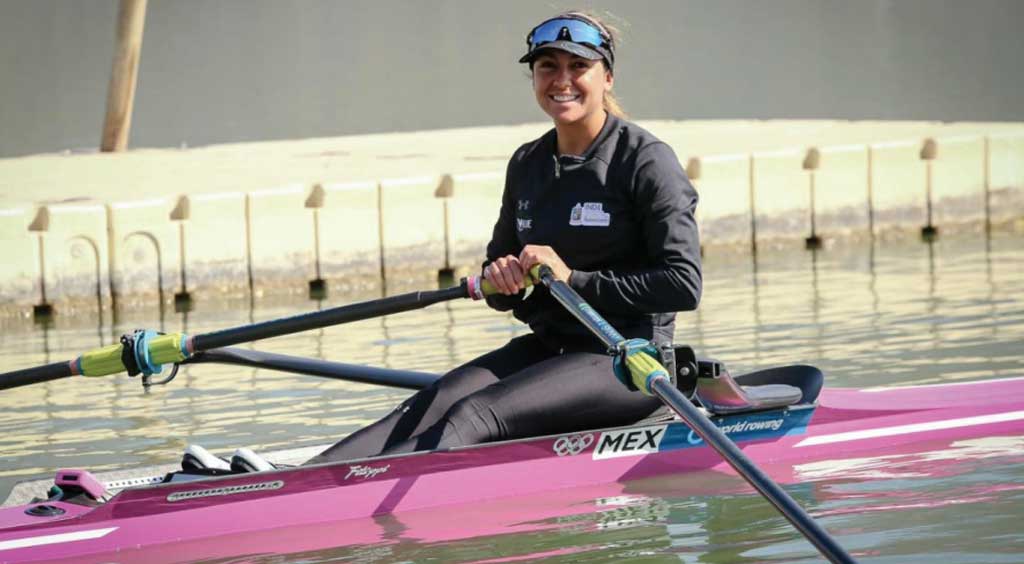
[
  {"x": 146, "y": 351},
  {"x": 649, "y": 376},
  {"x": 407, "y": 379}
]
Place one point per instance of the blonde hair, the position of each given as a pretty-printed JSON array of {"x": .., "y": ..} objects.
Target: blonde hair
[{"x": 612, "y": 105}]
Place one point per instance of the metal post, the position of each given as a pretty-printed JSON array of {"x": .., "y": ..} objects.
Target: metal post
[
  {"x": 43, "y": 311},
  {"x": 181, "y": 213},
  {"x": 445, "y": 190},
  {"x": 929, "y": 151},
  {"x": 811, "y": 163},
  {"x": 380, "y": 236},
  {"x": 871, "y": 193},
  {"x": 315, "y": 201},
  {"x": 987, "y": 187},
  {"x": 753, "y": 209}
]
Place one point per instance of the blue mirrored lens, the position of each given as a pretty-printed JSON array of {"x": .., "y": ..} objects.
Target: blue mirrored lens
[{"x": 579, "y": 31}]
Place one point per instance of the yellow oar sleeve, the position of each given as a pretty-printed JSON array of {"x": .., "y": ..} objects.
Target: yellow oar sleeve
[
  {"x": 644, "y": 369},
  {"x": 101, "y": 362},
  {"x": 165, "y": 349},
  {"x": 161, "y": 349}
]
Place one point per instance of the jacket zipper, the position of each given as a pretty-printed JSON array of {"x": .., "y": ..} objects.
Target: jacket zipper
[{"x": 558, "y": 167}]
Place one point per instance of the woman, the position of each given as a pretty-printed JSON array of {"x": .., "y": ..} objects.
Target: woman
[{"x": 607, "y": 206}]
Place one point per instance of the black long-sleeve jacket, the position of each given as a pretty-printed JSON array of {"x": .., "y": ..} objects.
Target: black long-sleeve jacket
[{"x": 621, "y": 216}]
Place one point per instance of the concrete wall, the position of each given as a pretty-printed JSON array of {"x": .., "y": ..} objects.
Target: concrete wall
[
  {"x": 219, "y": 71},
  {"x": 121, "y": 240}
]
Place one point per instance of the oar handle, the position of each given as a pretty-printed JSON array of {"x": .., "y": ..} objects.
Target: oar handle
[{"x": 480, "y": 287}]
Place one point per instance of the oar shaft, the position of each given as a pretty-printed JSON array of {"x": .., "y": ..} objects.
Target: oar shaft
[
  {"x": 407, "y": 379},
  {"x": 580, "y": 309},
  {"x": 325, "y": 318},
  {"x": 661, "y": 386},
  {"x": 36, "y": 375},
  {"x": 713, "y": 436}
]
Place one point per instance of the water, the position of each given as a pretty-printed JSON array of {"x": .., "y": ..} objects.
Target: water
[{"x": 901, "y": 312}]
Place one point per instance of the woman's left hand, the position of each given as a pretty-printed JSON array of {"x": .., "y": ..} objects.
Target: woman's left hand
[{"x": 542, "y": 254}]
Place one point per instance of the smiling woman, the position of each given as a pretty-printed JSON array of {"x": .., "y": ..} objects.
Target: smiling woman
[
  {"x": 571, "y": 89},
  {"x": 608, "y": 208},
  {"x": 590, "y": 69}
]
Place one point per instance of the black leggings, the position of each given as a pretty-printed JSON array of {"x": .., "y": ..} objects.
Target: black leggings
[{"x": 523, "y": 389}]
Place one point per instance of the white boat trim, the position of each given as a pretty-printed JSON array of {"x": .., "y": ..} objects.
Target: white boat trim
[
  {"x": 912, "y": 428},
  {"x": 43, "y": 540},
  {"x": 937, "y": 384}
]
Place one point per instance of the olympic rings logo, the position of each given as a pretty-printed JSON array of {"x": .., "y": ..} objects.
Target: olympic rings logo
[{"x": 573, "y": 444}]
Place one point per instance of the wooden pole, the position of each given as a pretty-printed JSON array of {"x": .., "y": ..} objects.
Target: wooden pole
[{"x": 131, "y": 18}]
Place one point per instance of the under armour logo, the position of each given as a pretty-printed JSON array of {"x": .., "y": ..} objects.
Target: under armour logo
[
  {"x": 524, "y": 205},
  {"x": 572, "y": 444}
]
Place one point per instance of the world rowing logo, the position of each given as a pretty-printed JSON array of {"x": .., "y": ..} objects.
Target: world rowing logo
[
  {"x": 744, "y": 426},
  {"x": 573, "y": 444}
]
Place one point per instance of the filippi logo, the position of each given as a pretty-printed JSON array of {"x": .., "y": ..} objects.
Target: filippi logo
[
  {"x": 629, "y": 442},
  {"x": 360, "y": 471},
  {"x": 744, "y": 426}
]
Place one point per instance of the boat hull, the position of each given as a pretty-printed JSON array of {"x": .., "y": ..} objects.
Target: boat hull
[{"x": 846, "y": 423}]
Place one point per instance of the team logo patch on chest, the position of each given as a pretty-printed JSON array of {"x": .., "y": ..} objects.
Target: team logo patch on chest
[
  {"x": 523, "y": 219},
  {"x": 589, "y": 214}
]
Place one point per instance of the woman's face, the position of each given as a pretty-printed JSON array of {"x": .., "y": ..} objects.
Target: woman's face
[{"x": 570, "y": 88}]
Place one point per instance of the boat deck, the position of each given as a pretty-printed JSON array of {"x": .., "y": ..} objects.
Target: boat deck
[{"x": 25, "y": 492}]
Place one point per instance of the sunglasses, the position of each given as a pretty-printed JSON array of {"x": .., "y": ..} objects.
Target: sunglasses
[{"x": 577, "y": 31}]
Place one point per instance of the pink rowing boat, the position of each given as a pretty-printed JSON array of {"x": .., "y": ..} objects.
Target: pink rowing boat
[{"x": 82, "y": 525}]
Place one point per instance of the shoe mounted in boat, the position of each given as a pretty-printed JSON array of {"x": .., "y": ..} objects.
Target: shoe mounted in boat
[
  {"x": 720, "y": 394},
  {"x": 709, "y": 384},
  {"x": 197, "y": 458},
  {"x": 245, "y": 460}
]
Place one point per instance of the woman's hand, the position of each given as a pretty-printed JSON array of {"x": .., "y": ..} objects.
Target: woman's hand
[
  {"x": 506, "y": 274},
  {"x": 542, "y": 254}
]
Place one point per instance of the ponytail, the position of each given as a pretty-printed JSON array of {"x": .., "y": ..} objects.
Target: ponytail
[{"x": 613, "y": 106}]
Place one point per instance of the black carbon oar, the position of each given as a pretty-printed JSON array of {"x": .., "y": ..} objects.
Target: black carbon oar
[
  {"x": 327, "y": 317},
  {"x": 408, "y": 379},
  {"x": 146, "y": 351},
  {"x": 652, "y": 378}
]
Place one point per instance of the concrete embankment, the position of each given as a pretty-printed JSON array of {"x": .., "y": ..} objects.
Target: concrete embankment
[{"x": 86, "y": 230}]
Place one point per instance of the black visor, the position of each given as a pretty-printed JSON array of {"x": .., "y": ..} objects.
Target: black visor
[{"x": 573, "y": 35}]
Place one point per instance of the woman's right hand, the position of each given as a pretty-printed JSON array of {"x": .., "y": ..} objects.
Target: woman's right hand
[{"x": 506, "y": 274}]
